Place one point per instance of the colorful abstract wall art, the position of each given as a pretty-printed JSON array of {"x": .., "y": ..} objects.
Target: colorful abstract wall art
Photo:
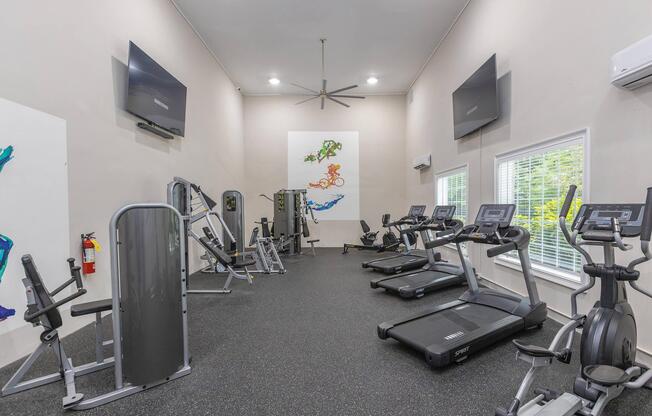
[
  {"x": 326, "y": 164},
  {"x": 33, "y": 169},
  {"x": 5, "y": 156}
]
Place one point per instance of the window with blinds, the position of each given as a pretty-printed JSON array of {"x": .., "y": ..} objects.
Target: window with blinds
[
  {"x": 452, "y": 190},
  {"x": 536, "y": 181}
]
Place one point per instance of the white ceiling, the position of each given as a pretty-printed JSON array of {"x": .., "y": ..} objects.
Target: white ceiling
[{"x": 258, "y": 39}]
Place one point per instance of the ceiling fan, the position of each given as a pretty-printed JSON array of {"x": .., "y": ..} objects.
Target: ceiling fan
[{"x": 323, "y": 94}]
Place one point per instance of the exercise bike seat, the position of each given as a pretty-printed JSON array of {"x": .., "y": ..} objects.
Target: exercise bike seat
[
  {"x": 88, "y": 308},
  {"x": 606, "y": 375},
  {"x": 533, "y": 350}
]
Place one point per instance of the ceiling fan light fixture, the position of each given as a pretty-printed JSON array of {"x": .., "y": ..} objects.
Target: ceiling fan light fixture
[
  {"x": 323, "y": 93},
  {"x": 274, "y": 81},
  {"x": 372, "y": 80}
]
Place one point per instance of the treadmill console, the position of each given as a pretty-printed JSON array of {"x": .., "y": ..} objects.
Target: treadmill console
[
  {"x": 443, "y": 212},
  {"x": 492, "y": 217},
  {"x": 417, "y": 211},
  {"x": 594, "y": 220}
]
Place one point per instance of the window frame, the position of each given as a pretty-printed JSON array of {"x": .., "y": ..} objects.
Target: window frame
[
  {"x": 581, "y": 136},
  {"x": 450, "y": 172}
]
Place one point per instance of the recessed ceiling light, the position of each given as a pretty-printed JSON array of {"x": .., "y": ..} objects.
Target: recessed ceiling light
[
  {"x": 372, "y": 80},
  {"x": 274, "y": 81}
]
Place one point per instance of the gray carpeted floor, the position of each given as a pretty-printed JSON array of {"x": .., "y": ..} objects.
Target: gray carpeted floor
[{"x": 304, "y": 343}]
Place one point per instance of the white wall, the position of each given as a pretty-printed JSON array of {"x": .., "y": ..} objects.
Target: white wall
[
  {"x": 380, "y": 120},
  {"x": 68, "y": 58},
  {"x": 553, "y": 60}
]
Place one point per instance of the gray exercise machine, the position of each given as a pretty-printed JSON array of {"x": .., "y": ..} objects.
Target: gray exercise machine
[
  {"x": 608, "y": 341},
  {"x": 261, "y": 249},
  {"x": 233, "y": 214},
  {"x": 198, "y": 208},
  {"x": 267, "y": 259},
  {"x": 451, "y": 332},
  {"x": 410, "y": 259},
  {"x": 148, "y": 305},
  {"x": 436, "y": 274},
  {"x": 290, "y": 225}
]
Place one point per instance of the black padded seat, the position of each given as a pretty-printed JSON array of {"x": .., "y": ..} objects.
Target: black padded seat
[
  {"x": 239, "y": 261},
  {"x": 220, "y": 255},
  {"x": 606, "y": 375},
  {"x": 312, "y": 241},
  {"x": 533, "y": 350},
  {"x": 88, "y": 308}
]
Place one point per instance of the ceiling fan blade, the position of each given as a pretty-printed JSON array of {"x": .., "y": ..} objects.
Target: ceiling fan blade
[
  {"x": 307, "y": 99},
  {"x": 322, "y": 102},
  {"x": 346, "y": 96},
  {"x": 338, "y": 101},
  {"x": 307, "y": 89},
  {"x": 343, "y": 89},
  {"x": 323, "y": 84}
]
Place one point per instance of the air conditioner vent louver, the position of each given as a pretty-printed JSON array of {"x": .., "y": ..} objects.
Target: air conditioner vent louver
[{"x": 631, "y": 68}]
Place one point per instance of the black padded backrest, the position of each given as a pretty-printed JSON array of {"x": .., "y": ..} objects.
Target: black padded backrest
[
  {"x": 40, "y": 292},
  {"x": 365, "y": 226},
  {"x": 264, "y": 225},
  {"x": 385, "y": 219},
  {"x": 220, "y": 255},
  {"x": 254, "y": 237}
]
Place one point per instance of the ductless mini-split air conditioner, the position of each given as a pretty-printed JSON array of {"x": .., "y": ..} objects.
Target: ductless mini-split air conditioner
[
  {"x": 421, "y": 162},
  {"x": 632, "y": 67}
]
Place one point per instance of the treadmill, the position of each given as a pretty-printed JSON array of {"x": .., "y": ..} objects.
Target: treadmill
[
  {"x": 480, "y": 317},
  {"x": 435, "y": 274},
  {"x": 408, "y": 260}
]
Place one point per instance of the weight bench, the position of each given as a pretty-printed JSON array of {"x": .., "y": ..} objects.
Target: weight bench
[
  {"x": 42, "y": 310},
  {"x": 312, "y": 246},
  {"x": 306, "y": 233}
]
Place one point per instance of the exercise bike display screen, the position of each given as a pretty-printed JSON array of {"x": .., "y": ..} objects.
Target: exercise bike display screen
[
  {"x": 490, "y": 214},
  {"x": 443, "y": 212},
  {"x": 597, "y": 217},
  {"x": 417, "y": 211}
]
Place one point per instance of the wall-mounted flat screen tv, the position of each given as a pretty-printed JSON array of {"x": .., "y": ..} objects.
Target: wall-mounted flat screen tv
[
  {"x": 475, "y": 103},
  {"x": 154, "y": 94}
]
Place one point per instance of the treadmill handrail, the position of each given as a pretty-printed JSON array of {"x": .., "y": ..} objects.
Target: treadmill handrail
[{"x": 447, "y": 239}]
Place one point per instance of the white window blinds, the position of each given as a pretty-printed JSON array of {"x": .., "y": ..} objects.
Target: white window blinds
[
  {"x": 536, "y": 181},
  {"x": 452, "y": 190}
]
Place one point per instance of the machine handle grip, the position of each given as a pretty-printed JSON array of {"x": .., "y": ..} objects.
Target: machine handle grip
[
  {"x": 76, "y": 275},
  {"x": 32, "y": 316},
  {"x": 438, "y": 242},
  {"x": 567, "y": 202},
  {"x": 501, "y": 249},
  {"x": 646, "y": 228}
]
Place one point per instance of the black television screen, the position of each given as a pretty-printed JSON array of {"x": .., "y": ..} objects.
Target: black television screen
[
  {"x": 154, "y": 94},
  {"x": 475, "y": 103}
]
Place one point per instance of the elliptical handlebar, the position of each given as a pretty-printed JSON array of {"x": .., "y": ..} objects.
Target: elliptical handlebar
[
  {"x": 646, "y": 227},
  {"x": 646, "y": 230},
  {"x": 568, "y": 201},
  {"x": 571, "y": 239}
]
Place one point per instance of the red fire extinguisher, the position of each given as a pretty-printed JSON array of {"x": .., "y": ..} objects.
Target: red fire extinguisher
[{"x": 89, "y": 245}]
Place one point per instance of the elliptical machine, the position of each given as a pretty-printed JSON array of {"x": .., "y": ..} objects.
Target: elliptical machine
[{"x": 608, "y": 343}]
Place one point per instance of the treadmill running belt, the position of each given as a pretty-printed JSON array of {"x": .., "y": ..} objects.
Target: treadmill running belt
[
  {"x": 417, "y": 279},
  {"x": 448, "y": 326},
  {"x": 398, "y": 264}
]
